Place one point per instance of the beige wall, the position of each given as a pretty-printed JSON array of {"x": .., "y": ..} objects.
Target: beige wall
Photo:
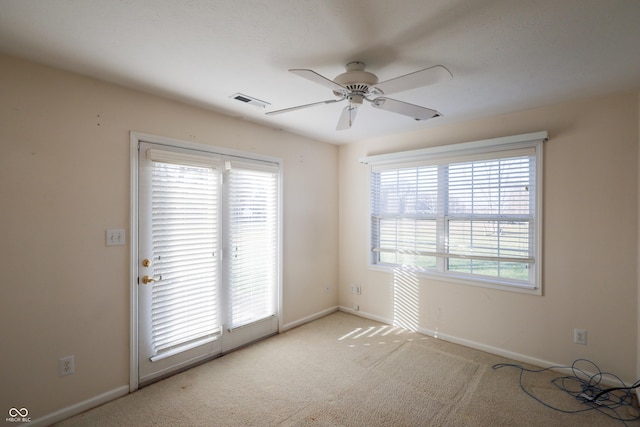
[
  {"x": 64, "y": 179},
  {"x": 590, "y": 241}
]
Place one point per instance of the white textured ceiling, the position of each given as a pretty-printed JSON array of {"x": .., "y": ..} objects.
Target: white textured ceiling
[{"x": 505, "y": 55}]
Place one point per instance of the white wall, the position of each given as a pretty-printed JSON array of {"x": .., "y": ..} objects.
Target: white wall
[
  {"x": 590, "y": 241},
  {"x": 64, "y": 179}
]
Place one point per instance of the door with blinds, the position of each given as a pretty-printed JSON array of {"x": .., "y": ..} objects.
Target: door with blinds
[{"x": 208, "y": 255}]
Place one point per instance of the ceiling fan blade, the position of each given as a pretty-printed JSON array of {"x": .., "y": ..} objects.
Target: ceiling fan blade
[
  {"x": 321, "y": 80},
  {"x": 347, "y": 117},
  {"x": 420, "y": 78},
  {"x": 300, "y": 107},
  {"x": 404, "y": 108}
]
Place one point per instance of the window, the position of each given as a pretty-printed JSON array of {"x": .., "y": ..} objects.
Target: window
[
  {"x": 186, "y": 234},
  {"x": 252, "y": 240},
  {"x": 468, "y": 212},
  {"x": 209, "y": 231},
  {"x": 184, "y": 214}
]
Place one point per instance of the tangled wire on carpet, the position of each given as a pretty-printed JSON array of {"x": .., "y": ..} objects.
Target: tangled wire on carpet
[{"x": 587, "y": 389}]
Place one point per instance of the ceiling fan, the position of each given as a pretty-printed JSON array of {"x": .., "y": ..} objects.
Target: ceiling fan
[{"x": 357, "y": 85}]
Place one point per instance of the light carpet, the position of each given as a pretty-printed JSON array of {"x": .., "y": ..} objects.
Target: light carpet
[{"x": 343, "y": 370}]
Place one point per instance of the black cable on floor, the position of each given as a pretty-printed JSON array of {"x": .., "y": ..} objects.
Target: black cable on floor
[{"x": 586, "y": 388}]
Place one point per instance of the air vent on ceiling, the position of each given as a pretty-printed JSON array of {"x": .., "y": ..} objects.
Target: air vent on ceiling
[{"x": 249, "y": 100}]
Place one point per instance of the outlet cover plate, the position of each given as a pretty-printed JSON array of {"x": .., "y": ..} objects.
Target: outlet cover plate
[{"x": 67, "y": 366}]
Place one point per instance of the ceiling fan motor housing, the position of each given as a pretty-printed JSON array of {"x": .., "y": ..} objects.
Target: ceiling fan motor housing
[{"x": 356, "y": 80}]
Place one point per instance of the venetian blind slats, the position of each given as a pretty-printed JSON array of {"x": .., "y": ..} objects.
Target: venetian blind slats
[
  {"x": 253, "y": 242},
  {"x": 185, "y": 215},
  {"x": 480, "y": 207}
]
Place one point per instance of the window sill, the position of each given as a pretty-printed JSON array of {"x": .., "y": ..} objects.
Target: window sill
[{"x": 463, "y": 280}]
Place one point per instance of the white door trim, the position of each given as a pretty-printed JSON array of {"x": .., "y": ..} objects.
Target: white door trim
[
  {"x": 135, "y": 138},
  {"x": 133, "y": 264}
]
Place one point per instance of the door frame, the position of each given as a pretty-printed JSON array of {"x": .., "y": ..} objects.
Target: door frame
[{"x": 135, "y": 139}]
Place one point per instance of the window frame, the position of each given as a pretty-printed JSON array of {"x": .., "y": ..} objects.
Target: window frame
[{"x": 450, "y": 154}]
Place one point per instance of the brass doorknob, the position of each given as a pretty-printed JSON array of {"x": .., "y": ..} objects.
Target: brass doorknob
[{"x": 148, "y": 279}]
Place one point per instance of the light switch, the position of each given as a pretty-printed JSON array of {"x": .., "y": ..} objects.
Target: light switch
[{"x": 116, "y": 237}]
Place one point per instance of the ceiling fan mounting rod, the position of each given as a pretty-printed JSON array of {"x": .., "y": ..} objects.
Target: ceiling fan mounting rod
[{"x": 355, "y": 66}]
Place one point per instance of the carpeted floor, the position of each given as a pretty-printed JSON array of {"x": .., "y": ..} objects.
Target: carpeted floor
[{"x": 343, "y": 370}]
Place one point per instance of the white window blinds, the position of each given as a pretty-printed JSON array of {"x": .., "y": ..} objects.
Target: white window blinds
[
  {"x": 251, "y": 262},
  {"x": 467, "y": 213},
  {"x": 185, "y": 214}
]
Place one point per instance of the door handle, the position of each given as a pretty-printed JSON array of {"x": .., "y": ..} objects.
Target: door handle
[{"x": 148, "y": 279}]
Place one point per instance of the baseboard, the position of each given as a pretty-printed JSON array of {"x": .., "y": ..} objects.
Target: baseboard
[
  {"x": 557, "y": 367},
  {"x": 308, "y": 319},
  {"x": 80, "y": 407},
  {"x": 365, "y": 315}
]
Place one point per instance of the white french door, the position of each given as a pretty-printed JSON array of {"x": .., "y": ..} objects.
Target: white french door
[{"x": 208, "y": 255}]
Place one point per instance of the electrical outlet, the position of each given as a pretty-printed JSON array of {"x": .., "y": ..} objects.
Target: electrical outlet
[
  {"x": 355, "y": 289},
  {"x": 580, "y": 336},
  {"x": 67, "y": 366},
  {"x": 356, "y": 307},
  {"x": 115, "y": 237}
]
